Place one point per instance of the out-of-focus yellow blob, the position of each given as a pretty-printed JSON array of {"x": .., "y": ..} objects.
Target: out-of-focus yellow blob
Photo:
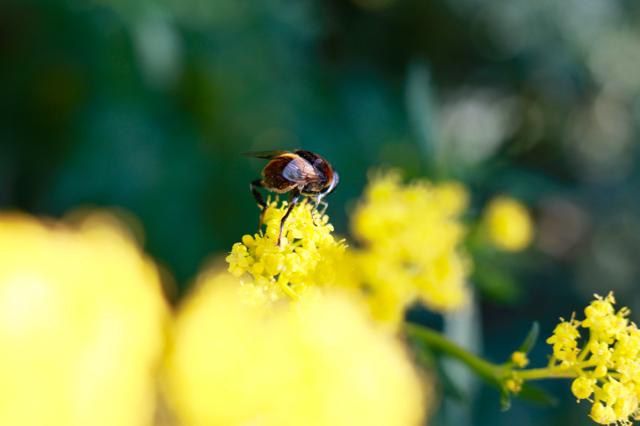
[
  {"x": 411, "y": 236},
  {"x": 322, "y": 365},
  {"x": 82, "y": 320},
  {"x": 507, "y": 224}
]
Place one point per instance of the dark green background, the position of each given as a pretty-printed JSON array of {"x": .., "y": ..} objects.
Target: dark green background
[{"x": 147, "y": 104}]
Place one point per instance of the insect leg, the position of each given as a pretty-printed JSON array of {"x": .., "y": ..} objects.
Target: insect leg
[
  {"x": 317, "y": 200},
  {"x": 259, "y": 199},
  {"x": 294, "y": 196},
  {"x": 324, "y": 209}
]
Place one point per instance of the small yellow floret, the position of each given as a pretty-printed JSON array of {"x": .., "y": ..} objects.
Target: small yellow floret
[
  {"x": 305, "y": 258},
  {"x": 514, "y": 386},
  {"x": 610, "y": 357},
  {"x": 520, "y": 359},
  {"x": 564, "y": 342},
  {"x": 603, "y": 324},
  {"x": 508, "y": 224},
  {"x": 603, "y": 415},
  {"x": 582, "y": 387}
]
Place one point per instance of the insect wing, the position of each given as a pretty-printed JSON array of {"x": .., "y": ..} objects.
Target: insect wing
[
  {"x": 299, "y": 170},
  {"x": 269, "y": 155}
]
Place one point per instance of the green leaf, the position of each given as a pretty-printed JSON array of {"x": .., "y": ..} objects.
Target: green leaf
[
  {"x": 535, "y": 394},
  {"x": 424, "y": 356},
  {"x": 449, "y": 387},
  {"x": 440, "y": 344},
  {"x": 422, "y": 353},
  {"x": 531, "y": 338},
  {"x": 505, "y": 398}
]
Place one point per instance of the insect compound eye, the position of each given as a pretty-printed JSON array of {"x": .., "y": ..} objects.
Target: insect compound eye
[{"x": 322, "y": 166}]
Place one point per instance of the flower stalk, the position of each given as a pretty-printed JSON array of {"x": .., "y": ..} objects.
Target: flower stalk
[
  {"x": 606, "y": 370},
  {"x": 495, "y": 374},
  {"x": 437, "y": 341},
  {"x": 545, "y": 373}
]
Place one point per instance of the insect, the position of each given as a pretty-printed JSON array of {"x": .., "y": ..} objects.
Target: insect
[{"x": 298, "y": 173}]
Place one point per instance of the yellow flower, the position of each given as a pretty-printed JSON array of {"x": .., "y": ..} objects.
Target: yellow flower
[
  {"x": 320, "y": 365},
  {"x": 601, "y": 353},
  {"x": 514, "y": 385},
  {"x": 520, "y": 359},
  {"x": 305, "y": 258},
  {"x": 602, "y": 322},
  {"x": 410, "y": 236},
  {"x": 82, "y": 321},
  {"x": 507, "y": 224},
  {"x": 607, "y": 366},
  {"x": 391, "y": 291},
  {"x": 622, "y": 398},
  {"x": 565, "y": 335},
  {"x": 443, "y": 285},
  {"x": 582, "y": 387},
  {"x": 565, "y": 344},
  {"x": 603, "y": 415},
  {"x": 419, "y": 220}
]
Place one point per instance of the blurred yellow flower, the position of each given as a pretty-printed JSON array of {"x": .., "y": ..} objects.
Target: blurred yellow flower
[
  {"x": 304, "y": 259},
  {"x": 514, "y": 385},
  {"x": 410, "y": 236},
  {"x": 233, "y": 365},
  {"x": 519, "y": 359},
  {"x": 82, "y": 320},
  {"x": 507, "y": 224}
]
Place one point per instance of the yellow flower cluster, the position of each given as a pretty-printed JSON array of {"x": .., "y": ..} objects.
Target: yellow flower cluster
[
  {"x": 507, "y": 224},
  {"x": 410, "y": 236},
  {"x": 82, "y": 320},
  {"x": 305, "y": 258},
  {"x": 608, "y": 366},
  {"x": 233, "y": 365}
]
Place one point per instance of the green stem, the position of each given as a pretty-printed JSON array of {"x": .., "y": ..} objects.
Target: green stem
[
  {"x": 437, "y": 341},
  {"x": 545, "y": 373},
  {"x": 494, "y": 373},
  {"x": 585, "y": 350}
]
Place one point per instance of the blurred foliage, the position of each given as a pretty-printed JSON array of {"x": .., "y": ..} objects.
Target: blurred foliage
[{"x": 147, "y": 104}]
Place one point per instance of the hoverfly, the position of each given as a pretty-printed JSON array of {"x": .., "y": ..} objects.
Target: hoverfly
[{"x": 298, "y": 173}]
